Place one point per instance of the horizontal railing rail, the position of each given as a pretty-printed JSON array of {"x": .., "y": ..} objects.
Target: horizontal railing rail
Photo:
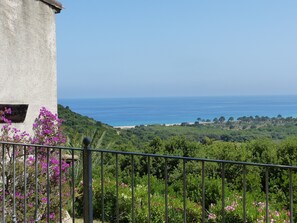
[
  {"x": 37, "y": 180},
  {"x": 156, "y": 155}
]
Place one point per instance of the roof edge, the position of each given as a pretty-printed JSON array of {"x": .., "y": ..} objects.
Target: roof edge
[{"x": 55, "y": 4}]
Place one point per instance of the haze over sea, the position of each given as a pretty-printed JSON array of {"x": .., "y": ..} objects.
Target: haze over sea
[{"x": 174, "y": 110}]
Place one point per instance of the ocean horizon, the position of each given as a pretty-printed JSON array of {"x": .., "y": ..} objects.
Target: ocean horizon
[{"x": 174, "y": 110}]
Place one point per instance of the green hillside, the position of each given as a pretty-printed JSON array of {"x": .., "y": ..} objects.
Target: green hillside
[{"x": 77, "y": 127}]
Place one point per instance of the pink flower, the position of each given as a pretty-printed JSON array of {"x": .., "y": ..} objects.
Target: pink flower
[
  {"x": 44, "y": 200},
  {"x": 52, "y": 215},
  {"x": 212, "y": 216},
  {"x": 7, "y": 111}
]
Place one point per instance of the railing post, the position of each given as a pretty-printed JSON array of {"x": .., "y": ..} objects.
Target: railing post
[{"x": 87, "y": 182}]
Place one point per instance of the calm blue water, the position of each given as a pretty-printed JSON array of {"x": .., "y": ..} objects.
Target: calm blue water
[{"x": 137, "y": 111}]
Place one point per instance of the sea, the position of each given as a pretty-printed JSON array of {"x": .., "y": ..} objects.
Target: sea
[{"x": 176, "y": 110}]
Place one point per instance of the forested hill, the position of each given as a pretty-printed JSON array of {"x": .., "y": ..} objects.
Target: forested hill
[
  {"x": 241, "y": 130},
  {"x": 77, "y": 127}
]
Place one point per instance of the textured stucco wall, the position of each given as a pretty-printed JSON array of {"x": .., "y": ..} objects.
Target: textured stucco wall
[{"x": 28, "y": 56}]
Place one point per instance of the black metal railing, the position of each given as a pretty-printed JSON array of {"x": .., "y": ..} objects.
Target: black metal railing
[{"x": 32, "y": 191}]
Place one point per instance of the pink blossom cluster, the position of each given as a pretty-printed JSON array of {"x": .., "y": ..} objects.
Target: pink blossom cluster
[
  {"x": 257, "y": 209},
  {"x": 274, "y": 215},
  {"x": 9, "y": 133},
  {"x": 231, "y": 207},
  {"x": 212, "y": 216},
  {"x": 47, "y": 129}
]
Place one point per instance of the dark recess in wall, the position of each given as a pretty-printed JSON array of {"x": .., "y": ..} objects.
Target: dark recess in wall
[{"x": 18, "y": 112}]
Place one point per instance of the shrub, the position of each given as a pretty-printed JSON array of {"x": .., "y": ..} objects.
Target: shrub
[
  {"x": 255, "y": 210},
  {"x": 175, "y": 204},
  {"x": 47, "y": 131}
]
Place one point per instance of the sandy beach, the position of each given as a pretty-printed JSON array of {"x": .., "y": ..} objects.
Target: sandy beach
[
  {"x": 133, "y": 126},
  {"x": 125, "y": 127}
]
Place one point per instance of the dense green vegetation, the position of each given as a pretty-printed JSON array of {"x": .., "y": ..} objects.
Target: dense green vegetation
[
  {"x": 77, "y": 127},
  {"x": 231, "y": 131},
  {"x": 250, "y": 139}
]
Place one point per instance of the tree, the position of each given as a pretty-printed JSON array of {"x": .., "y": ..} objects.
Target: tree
[
  {"x": 231, "y": 119},
  {"x": 222, "y": 119},
  {"x": 156, "y": 146}
]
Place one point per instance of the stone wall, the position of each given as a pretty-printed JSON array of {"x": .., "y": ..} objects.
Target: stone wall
[{"x": 28, "y": 57}]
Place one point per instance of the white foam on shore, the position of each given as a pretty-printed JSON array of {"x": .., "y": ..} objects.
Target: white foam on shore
[
  {"x": 125, "y": 127},
  {"x": 133, "y": 126}
]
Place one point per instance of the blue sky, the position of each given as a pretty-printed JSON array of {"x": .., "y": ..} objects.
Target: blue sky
[{"x": 152, "y": 48}]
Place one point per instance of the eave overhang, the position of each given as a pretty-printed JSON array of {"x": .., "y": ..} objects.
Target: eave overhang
[{"x": 57, "y": 6}]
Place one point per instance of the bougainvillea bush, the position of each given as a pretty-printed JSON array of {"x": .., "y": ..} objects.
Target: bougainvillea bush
[{"x": 36, "y": 167}]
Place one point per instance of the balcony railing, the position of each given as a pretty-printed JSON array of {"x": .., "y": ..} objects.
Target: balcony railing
[{"x": 38, "y": 183}]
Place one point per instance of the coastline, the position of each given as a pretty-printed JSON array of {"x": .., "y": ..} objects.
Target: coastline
[
  {"x": 127, "y": 113},
  {"x": 167, "y": 125},
  {"x": 125, "y": 127}
]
